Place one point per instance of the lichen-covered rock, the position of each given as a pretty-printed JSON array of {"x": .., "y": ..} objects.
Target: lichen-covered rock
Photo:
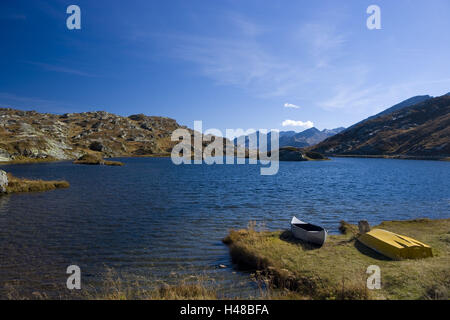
[
  {"x": 3, "y": 181},
  {"x": 4, "y": 155}
]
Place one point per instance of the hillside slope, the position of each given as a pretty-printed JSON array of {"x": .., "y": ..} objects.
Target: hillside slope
[
  {"x": 420, "y": 130},
  {"x": 406, "y": 103},
  {"x": 33, "y": 135}
]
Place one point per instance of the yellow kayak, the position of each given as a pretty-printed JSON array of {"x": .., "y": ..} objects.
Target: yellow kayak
[{"x": 395, "y": 246}]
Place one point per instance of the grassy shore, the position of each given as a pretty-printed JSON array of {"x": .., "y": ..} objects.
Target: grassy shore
[
  {"x": 26, "y": 160},
  {"x": 116, "y": 288},
  {"x": 338, "y": 269},
  {"x": 17, "y": 185}
]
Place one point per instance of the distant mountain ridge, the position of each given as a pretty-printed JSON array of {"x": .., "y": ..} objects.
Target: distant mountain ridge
[
  {"x": 302, "y": 139},
  {"x": 421, "y": 129}
]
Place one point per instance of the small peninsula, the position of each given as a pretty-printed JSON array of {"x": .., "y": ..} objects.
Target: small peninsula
[{"x": 11, "y": 184}]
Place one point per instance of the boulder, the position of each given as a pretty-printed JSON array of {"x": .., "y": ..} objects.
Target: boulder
[
  {"x": 4, "y": 155},
  {"x": 137, "y": 117},
  {"x": 3, "y": 181},
  {"x": 363, "y": 226},
  {"x": 96, "y": 146}
]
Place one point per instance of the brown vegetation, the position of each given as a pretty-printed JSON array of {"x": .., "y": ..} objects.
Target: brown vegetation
[
  {"x": 26, "y": 160},
  {"x": 195, "y": 287},
  {"x": 16, "y": 185}
]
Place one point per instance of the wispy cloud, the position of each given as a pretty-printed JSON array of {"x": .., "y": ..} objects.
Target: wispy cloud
[
  {"x": 321, "y": 38},
  {"x": 245, "y": 61},
  {"x": 245, "y": 26},
  {"x": 310, "y": 62},
  {"x": 13, "y": 100},
  {"x": 231, "y": 62},
  {"x": 360, "y": 98},
  {"x": 349, "y": 97},
  {"x": 293, "y": 123},
  {"x": 6, "y": 98},
  {"x": 61, "y": 69},
  {"x": 292, "y": 106}
]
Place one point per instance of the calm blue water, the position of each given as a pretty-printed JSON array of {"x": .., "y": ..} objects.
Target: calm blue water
[{"x": 155, "y": 220}]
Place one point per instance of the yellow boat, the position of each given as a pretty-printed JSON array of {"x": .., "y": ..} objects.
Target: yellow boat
[{"x": 395, "y": 246}]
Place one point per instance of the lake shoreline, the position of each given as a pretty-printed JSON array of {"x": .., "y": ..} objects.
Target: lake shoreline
[{"x": 392, "y": 157}]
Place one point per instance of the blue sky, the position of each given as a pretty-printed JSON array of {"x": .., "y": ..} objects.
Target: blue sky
[{"x": 232, "y": 64}]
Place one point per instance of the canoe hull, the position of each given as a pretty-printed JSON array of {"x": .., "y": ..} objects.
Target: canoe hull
[
  {"x": 395, "y": 246},
  {"x": 316, "y": 237}
]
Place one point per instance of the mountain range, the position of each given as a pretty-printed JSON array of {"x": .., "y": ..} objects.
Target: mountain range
[
  {"x": 416, "y": 127},
  {"x": 302, "y": 139}
]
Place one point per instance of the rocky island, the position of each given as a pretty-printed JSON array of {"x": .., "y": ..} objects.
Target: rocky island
[
  {"x": 95, "y": 159},
  {"x": 288, "y": 154},
  {"x": 298, "y": 154}
]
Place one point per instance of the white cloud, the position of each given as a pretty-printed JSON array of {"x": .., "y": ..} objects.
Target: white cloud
[
  {"x": 245, "y": 26},
  {"x": 292, "y": 123},
  {"x": 360, "y": 98},
  {"x": 290, "y": 105}
]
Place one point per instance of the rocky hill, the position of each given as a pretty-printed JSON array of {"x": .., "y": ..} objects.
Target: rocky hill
[
  {"x": 421, "y": 130},
  {"x": 33, "y": 135}
]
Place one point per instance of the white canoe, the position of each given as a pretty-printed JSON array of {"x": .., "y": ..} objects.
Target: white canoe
[{"x": 308, "y": 232}]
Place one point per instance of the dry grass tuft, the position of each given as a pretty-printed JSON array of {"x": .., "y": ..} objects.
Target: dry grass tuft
[
  {"x": 16, "y": 185},
  {"x": 348, "y": 229},
  {"x": 191, "y": 288}
]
